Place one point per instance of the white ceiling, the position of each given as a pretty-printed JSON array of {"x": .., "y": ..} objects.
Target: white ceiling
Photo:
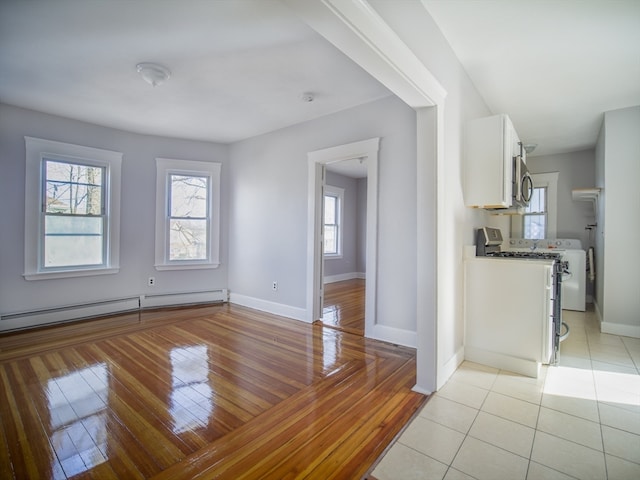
[
  {"x": 553, "y": 65},
  {"x": 238, "y": 67}
]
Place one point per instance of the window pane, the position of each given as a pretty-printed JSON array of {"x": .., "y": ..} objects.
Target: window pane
[
  {"x": 188, "y": 239},
  {"x": 188, "y": 196},
  {"x": 534, "y": 226},
  {"x": 330, "y": 239},
  {"x": 73, "y": 241},
  {"x": 73, "y": 189},
  {"x": 538, "y": 201},
  {"x": 330, "y": 209}
]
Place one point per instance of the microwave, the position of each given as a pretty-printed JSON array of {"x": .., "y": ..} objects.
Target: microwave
[{"x": 522, "y": 182}]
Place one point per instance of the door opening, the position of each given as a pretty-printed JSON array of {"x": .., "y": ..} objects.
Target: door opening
[
  {"x": 344, "y": 245},
  {"x": 319, "y": 160}
]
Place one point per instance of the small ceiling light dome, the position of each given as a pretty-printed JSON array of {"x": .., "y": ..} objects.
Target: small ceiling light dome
[
  {"x": 307, "y": 97},
  {"x": 153, "y": 74},
  {"x": 530, "y": 147}
]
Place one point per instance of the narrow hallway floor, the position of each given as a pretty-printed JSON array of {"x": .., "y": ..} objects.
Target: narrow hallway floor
[{"x": 579, "y": 420}]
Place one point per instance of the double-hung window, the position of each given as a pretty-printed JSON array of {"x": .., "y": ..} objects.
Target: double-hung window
[
  {"x": 333, "y": 208},
  {"x": 535, "y": 215},
  {"x": 540, "y": 216},
  {"x": 71, "y": 210},
  {"x": 187, "y": 214}
]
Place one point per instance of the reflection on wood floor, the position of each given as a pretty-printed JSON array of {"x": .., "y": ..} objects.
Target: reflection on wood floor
[
  {"x": 344, "y": 306},
  {"x": 203, "y": 392}
]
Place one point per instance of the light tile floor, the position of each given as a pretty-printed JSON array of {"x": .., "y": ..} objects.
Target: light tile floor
[{"x": 580, "y": 419}]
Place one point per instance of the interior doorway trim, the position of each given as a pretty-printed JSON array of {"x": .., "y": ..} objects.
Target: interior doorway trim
[{"x": 367, "y": 149}]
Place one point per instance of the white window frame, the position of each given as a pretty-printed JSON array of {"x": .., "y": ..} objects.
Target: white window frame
[
  {"x": 37, "y": 150},
  {"x": 164, "y": 168},
  {"x": 338, "y": 193},
  {"x": 550, "y": 181}
]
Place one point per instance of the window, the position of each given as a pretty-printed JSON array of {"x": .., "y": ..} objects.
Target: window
[
  {"x": 71, "y": 210},
  {"x": 333, "y": 200},
  {"x": 187, "y": 214},
  {"x": 540, "y": 217},
  {"x": 535, "y": 215}
]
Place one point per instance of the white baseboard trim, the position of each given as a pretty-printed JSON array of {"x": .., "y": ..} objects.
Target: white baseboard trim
[
  {"x": 530, "y": 368},
  {"x": 394, "y": 335},
  {"x": 449, "y": 368},
  {"x": 343, "y": 276},
  {"x": 269, "y": 307},
  {"x": 421, "y": 390},
  {"x": 621, "y": 329}
]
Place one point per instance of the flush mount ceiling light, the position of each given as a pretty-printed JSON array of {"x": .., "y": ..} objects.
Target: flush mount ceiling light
[
  {"x": 153, "y": 74},
  {"x": 530, "y": 147},
  {"x": 307, "y": 97}
]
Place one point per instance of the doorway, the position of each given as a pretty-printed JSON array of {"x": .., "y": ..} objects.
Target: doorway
[
  {"x": 344, "y": 241},
  {"x": 366, "y": 153}
]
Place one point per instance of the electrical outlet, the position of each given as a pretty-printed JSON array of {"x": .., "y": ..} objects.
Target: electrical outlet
[
  {"x": 274, "y": 286},
  {"x": 152, "y": 281}
]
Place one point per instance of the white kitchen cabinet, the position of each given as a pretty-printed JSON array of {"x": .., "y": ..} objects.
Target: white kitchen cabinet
[
  {"x": 509, "y": 313},
  {"x": 490, "y": 145}
]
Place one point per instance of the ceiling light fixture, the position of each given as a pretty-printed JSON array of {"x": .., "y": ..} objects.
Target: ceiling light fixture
[
  {"x": 530, "y": 147},
  {"x": 153, "y": 74},
  {"x": 307, "y": 97}
]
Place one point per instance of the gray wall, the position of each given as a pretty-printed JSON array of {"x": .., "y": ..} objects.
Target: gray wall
[
  {"x": 618, "y": 171},
  {"x": 268, "y": 226},
  {"x": 137, "y": 229},
  {"x": 348, "y": 262},
  {"x": 575, "y": 170}
]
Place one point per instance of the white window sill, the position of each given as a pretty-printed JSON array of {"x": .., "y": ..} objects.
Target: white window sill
[
  {"x": 332, "y": 257},
  {"x": 70, "y": 273},
  {"x": 186, "y": 266}
]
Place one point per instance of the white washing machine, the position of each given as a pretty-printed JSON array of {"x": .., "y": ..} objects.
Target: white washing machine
[{"x": 574, "y": 283}]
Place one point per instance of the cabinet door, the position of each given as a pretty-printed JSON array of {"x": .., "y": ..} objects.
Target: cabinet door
[{"x": 489, "y": 150}]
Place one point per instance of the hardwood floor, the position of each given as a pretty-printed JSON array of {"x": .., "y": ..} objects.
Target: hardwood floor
[
  {"x": 205, "y": 392},
  {"x": 344, "y": 305}
]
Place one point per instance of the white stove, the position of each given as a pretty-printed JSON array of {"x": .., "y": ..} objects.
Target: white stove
[{"x": 574, "y": 282}]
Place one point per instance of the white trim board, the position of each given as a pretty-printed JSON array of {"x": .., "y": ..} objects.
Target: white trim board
[
  {"x": 274, "y": 308},
  {"x": 621, "y": 329},
  {"x": 341, "y": 277}
]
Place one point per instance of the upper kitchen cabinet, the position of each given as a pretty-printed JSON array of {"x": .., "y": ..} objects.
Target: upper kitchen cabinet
[{"x": 491, "y": 143}]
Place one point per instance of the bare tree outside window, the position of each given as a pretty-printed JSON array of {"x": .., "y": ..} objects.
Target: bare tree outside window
[
  {"x": 73, "y": 208},
  {"x": 188, "y": 217}
]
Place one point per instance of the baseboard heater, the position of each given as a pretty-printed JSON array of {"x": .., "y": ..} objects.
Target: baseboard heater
[
  {"x": 17, "y": 321},
  {"x": 191, "y": 298}
]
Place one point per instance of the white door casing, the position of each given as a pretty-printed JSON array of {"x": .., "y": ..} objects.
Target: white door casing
[{"x": 367, "y": 149}]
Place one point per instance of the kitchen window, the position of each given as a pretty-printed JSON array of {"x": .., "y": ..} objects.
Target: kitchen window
[
  {"x": 535, "y": 215},
  {"x": 187, "y": 214},
  {"x": 71, "y": 210},
  {"x": 540, "y": 217},
  {"x": 333, "y": 208}
]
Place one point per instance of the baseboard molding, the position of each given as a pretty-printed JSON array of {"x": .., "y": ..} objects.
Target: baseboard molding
[
  {"x": 269, "y": 307},
  {"x": 394, "y": 335},
  {"x": 343, "y": 276},
  {"x": 621, "y": 329},
  {"x": 530, "y": 368},
  {"x": 449, "y": 368}
]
